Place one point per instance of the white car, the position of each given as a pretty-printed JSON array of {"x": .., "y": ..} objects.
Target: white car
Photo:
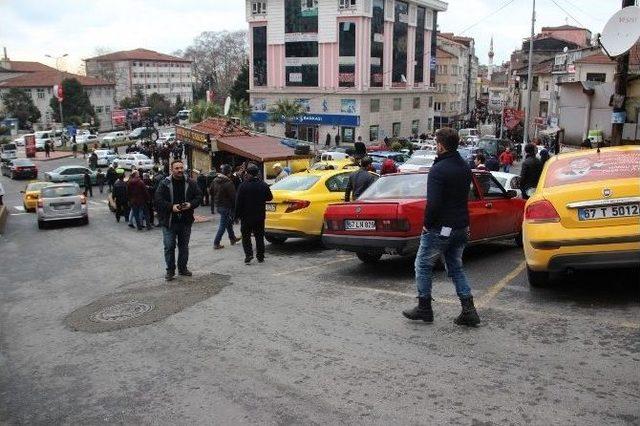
[
  {"x": 134, "y": 162},
  {"x": 113, "y": 137},
  {"x": 105, "y": 157},
  {"x": 44, "y": 136},
  {"x": 90, "y": 139},
  {"x": 509, "y": 181},
  {"x": 417, "y": 163},
  {"x": 19, "y": 141},
  {"x": 333, "y": 156}
]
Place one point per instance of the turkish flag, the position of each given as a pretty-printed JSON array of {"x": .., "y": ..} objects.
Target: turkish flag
[{"x": 57, "y": 92}]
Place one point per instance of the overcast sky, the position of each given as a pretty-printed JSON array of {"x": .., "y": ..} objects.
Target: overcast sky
[{"x": 33, "y": 28}]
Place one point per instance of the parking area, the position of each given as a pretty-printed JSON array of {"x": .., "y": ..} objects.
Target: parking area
[{"x": 90, "y": 333}]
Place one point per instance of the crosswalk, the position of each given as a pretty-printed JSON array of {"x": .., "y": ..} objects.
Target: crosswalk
[{"x": 101, "y": 205}]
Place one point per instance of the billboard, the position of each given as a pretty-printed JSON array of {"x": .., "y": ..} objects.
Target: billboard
[{"x": 30, "y": 145}]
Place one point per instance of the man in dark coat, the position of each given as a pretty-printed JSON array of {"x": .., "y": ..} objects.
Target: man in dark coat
[
  {"x": 223, "y": 200},
  {"x": 201, "y": 180},
  {"x": 337, "y": 139},
  {"x": 359, "y": 181},
  {"x": 531, "y": 170},
  {"x": 327, "y": 141},
  {"x": 111, "y": 177},
  {"x": 252, "y": 196},
  {"x": 100, "y": 180},
  {"x": 120, "y": 197},
  {"x": 85, "y": 150},
  {"x": 138, "y": 197},
  {"x": 175, "y": 199},
  {"x": 88, "y": 189}
]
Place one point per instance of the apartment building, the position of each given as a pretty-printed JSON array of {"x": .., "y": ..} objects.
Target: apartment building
[
  {"x": 145, "y": 70},
  {"x": 359, "y": 68}
]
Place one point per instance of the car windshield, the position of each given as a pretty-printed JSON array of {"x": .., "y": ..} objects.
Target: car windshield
[
  {"x": 60, "y": 191},
  {"x": 489, "y": 145},
  {"x": 22, "y": 163},
  {"x": 397, "y": 186},
  {"x": 9, "y": 147},
  {"x": 502, "y": 180},
  {"x": 296, "y": 183},
  {"x": 420, "y": 161}
]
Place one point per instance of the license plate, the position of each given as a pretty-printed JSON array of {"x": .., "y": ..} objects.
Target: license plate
[
  {"x": 609, "y": 212},
  {"x": 64, "y": 206},
  {"x": 360, "y": 225},
  {"x": 270, "y": 207}
]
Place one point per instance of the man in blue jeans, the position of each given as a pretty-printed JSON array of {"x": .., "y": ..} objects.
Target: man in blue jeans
[
  {"x": 223, "y": 200},
  {"x": 445, "y": 230}
]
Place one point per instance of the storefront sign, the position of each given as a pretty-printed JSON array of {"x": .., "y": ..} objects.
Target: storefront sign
[
  {"x": 30, "y": 145},
  {"x": 193, "y": 137},
  {"x": 348, "y": 106},
  {"x": 295, "y": 77},
  {"x": 326, "y": 119}
]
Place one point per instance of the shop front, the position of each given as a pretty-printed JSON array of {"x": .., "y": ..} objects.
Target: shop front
[
  {"x": 198, "y": 148},
  {"x": 315, "y": 127}
]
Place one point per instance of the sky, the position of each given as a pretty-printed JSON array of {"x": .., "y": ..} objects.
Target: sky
[{"x": 32, "y": 29}]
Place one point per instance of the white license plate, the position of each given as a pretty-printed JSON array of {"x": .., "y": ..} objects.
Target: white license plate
[
  {"x": 270, "y": 207},
  {"x": 360, "y": 225},
  {"x": 609, "y": 212}
]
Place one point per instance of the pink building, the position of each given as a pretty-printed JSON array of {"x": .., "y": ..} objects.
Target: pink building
[{"x": 360, "y": 68}]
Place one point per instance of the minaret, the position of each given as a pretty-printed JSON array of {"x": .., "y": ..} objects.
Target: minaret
[{"x": 490, "y": 67}]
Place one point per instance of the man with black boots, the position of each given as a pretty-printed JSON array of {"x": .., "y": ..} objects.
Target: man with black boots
[
  {"x": 445, "y": 230},
  {"x": 176, "y": 198},
  {"x": 252, "y": 196}
]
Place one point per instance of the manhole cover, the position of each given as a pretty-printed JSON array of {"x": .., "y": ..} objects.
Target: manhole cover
[{"x": 121, "y": 312}]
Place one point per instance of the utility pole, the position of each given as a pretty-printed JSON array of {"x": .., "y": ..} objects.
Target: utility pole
[
  {"x": 622, "y": 71},
  {"x": 527, "y": 111}
]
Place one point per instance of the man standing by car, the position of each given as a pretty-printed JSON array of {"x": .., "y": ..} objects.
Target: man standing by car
[
  {"x": 506, "y": 160},
  {"x": 531, "y": 170},
  {"x": 252, "y": 196},
  {"x": 176, "y": 198},
  {"x": 445, "y": 231},
  {"x": 360, "y": 180},
  {"x": 223, "y": 200}
]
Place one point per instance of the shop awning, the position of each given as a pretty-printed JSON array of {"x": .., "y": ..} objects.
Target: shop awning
[{"x": 258, "y": 148}]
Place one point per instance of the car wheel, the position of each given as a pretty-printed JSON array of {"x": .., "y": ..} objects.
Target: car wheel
[
  {"x": 13, "y": 175},
  {"x": 368, "y": 257},
  {"x": 275, "y": 239},
  {"x": 84, "y": 221},
  {"x": 41, "y": 224},
  {"x": 518, "y": 239},
  {"x": 537, "y": 278}
]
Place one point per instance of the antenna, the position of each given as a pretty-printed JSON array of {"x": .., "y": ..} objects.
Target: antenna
[
  {"x": 621, "y": 31},
  {"x": 227, "y": 105}
]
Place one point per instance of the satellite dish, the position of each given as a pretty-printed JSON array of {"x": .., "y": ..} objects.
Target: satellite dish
[
  {"x": 227, "y": 105},
  {"x": 621, "y": 31}
]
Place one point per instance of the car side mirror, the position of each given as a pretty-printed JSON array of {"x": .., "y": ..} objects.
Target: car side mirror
[
  {"x": 512, "y": 193},
  {"x": 22, "y": 192}
]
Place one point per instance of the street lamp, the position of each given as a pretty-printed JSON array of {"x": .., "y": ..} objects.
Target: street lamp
[{"x": 57, "y": 58}]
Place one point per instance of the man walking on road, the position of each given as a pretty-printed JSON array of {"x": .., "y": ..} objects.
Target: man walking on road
[
  {"x": 176, "y": 198},
  {"x": 223, "y": 199},
  {"x": 88, "y": 189},
  {"x": 506, "y": 160},
  {"x": 138, "y": 198},
  {"x": 252, "y": 196},
  {"x": 530, "y": 172},
  {"x": 359, "y": 181},
  {"x": 445, "y": 231}
]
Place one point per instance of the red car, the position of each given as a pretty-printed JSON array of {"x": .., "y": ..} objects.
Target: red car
[{"x": 388, "y": 216}]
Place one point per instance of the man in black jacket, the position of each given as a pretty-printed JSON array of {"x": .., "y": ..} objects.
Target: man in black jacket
[
  {"x": 531, "y": 170},
  {"x": 120, "y": 197},
  {"x": 445, "y": 230},
  {"x": 176, "y": 198},
  {"x": 359, "y": 181},
  {"x": 223, "y": 199},
  {"x": 252, "y": 196}
]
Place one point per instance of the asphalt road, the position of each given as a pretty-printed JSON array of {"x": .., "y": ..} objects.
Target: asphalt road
[{"x": 90, "y": 333}]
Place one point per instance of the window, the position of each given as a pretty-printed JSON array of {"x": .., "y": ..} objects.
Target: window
[
  {"x": 546, "y": 86},
  {"x": 489, "y": 187},
  {"x": 395, "y": 130},
  {"x": 259, "y": 56},
  {"x": 107, "y": 108},
  {"x": 430, "y": 124},
  {"x": 430, "y": 101},
  {"x": 400, "y": 37},
  {"x": 301, "y": 46},
  {"x": 397, "y": 104},
  {"x": 338, "y": 183},
  {"x": 374, "y": 132},
  {"x": 347, "y": 54},
  {"x": 419, "y": 48},
  {"x": 301, "y": 16},
  {"x": 416, "y": 102},
  {"x": 258, "y": 7},
  {"x": 374, "y": 105},
  {"x": 98, "y": 110},
  {"x": 596, "y": 76},
  {"x": 437, "y": 106},
  {"x": 415, "y": 125},
  {"x": 40, "y": 93},
  {"x": 452, "y": 106},
  {"x": 346, "y": 4}
]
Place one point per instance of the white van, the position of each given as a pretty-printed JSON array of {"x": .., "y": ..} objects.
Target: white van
[
  {"x": 8, "y": 151},
  {"x": 42, "y": 137}
]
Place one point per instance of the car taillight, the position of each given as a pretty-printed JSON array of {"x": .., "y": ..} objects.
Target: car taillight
[
  {"x": 540, "y": 212},
  {"x": 395, "y": 225},
  {"x": 83, "y": 199},
  {"x": 40, "y": 204},
  {"x": 296, "y": 205},
  {"x": 333, "y": 225}
]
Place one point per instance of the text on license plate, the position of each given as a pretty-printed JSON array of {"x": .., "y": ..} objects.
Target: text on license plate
[
  {"x": 270, "y": 207},
  {"x": 624, "y": 210},
  {"x": 360, "y": 225}
]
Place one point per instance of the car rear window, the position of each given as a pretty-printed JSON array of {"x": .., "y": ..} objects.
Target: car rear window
[
  {"x": 9, "y": 147},
  {"x": 397, "y": 186},
  {"x": 60, "y": 191},
  {"x": 296, "y": 183},
  {"x": 592, "y": 167},
  {"x": 37, "y": 186},
  {"x": 23, "y": 163}
]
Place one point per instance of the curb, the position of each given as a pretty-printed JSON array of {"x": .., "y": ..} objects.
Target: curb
[
  {"x": 3, "y": 218},
  {"x": 53, "y": 158}
]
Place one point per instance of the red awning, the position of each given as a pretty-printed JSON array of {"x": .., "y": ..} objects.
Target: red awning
[{"x": 258, "y": 148}]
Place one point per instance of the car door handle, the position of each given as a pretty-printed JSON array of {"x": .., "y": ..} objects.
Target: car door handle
[{"x": 489, "y": 205}]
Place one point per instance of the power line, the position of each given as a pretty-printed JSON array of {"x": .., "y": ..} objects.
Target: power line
[
  {"x": 583, "y": 12},
  {"x": 487, "y": 16},
  {"x": 568, "y": 14}
]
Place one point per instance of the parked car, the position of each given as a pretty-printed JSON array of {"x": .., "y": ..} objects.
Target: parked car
[
  {"x": 70, "y": 174},
  {"x": 19, "y": 141},
  {"x": 143, "y": 133},
  {"x": 105, "y": 157},
  {"x": 19, "y": 168},
  {"x": 43, "y": 137},
  {"x": 388, "y": 216},
  {"x": 134, "y": 162},
  {"x": 585, "y": 213},
  {"x": 417, "y": 163},
  {"x": 334, "y": 165},
  {"x": 63, "y": 201},
  {"x": 333, "y": 156},
  {"x": 493, "y": 146},
  {"x": 509, "y": 181},
  {"x": 8, "y": 151},
  {"x": 31, "y": 194},
  {"x": 87, "y": 138},
  {"x": 114, "y": 137},
  {"x": 299, "y": 202}
]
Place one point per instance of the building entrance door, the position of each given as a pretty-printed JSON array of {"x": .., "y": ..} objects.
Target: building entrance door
[{"x": 308, "y": 133}]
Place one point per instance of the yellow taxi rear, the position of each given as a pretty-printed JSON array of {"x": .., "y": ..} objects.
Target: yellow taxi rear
[
  {"x": 299, "y": 202},
  {"x": 585, "y": 214},
  {"x": 31, "y": 195}
]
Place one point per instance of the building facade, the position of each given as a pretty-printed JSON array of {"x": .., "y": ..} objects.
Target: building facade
[
  {"x": 144, "y": 70},
  {"x": 359, "y": 68}
]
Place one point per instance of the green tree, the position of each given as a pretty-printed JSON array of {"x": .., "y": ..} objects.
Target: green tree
[
  {"x": 241, "y": 109},
  {"x": 179, "y": 105},
  {"x": 204, "y": 109},
  {"x": 240, "y": 88},
  {"x": 287, "y": 111},
  {"x": 159, "y": 105},
  {"x": 18, "y": 104},
  {"x": 75, "y": 103},
  {"x": 128, "y": 103},
  {"x": 138, "y": 98}
]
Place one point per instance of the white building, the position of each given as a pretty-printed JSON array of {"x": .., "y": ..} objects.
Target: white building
[
  {"x": 359, "y": 67},
  {"x": 143, "y": 69}
]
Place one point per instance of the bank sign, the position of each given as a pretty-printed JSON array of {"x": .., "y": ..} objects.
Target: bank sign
[{"x": 320, "y": 119}]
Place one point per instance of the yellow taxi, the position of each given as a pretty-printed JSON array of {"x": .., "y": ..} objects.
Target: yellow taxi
[
  {"x": 299, "y": 202},
  {"x": 335, "y": 165},
  {"x": 31, "y": 194},
  {"x": 585, "y": 213}
]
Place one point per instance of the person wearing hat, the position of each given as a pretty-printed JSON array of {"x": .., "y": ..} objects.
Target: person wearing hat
[
  {"x": 280, "y": 172},
  {"x": 252, "y": 196}
]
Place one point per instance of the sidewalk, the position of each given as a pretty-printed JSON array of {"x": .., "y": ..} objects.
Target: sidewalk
[{"x": 55, "y": 155}]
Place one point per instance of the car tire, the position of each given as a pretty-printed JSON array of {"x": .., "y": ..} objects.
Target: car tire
[
  {"x": 537, "y": 278},
  {"x": 13, "y": 176},
  {"x": 368, "y": 257},
  {"x": 41, "y": 224},
  {"x": 518, "y": 239},
  {"x": 275, "y": 240},
  {"x": 84, "y": 221}
]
